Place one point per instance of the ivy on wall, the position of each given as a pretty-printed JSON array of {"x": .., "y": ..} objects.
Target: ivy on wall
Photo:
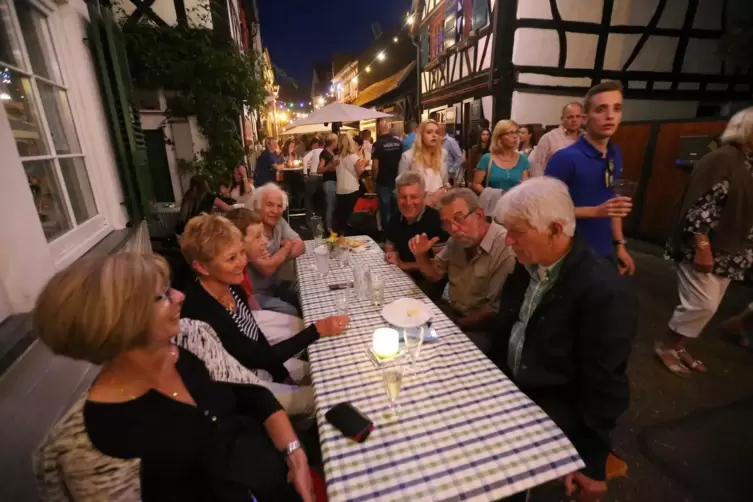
[{"x": 203, "y": 77}]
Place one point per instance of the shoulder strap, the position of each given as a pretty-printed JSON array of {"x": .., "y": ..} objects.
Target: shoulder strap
[{"x": 489, "y": 169}]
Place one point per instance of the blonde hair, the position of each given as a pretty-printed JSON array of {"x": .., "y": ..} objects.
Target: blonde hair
[
  {"x": 206, "y": 236},
  {"x": 346, "y": 145},
  {"x": 500, "y": 129},
  {"x": 329, "y": 139},
  {"x": 100, "y": 307},
  {"x": 423, "y": 155}
]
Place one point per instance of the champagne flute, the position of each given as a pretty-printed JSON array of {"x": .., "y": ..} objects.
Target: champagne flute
[
  {"x": 413, "y": 341},
  {"x": 392, "y": 376}
]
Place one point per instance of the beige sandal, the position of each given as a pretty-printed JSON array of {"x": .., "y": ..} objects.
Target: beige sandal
[{"x": 671, "y": 360}]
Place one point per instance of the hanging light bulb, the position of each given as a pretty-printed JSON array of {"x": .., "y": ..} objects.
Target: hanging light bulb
[
  {"x": 368, "y": 69},
  {"x": 395, "y": 39},
  {"x": 381, "y": 56},
  {"x": 411, "y": 20}
]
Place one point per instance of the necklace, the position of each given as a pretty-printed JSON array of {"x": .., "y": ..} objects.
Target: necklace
[{"x": 126, "y": 388}]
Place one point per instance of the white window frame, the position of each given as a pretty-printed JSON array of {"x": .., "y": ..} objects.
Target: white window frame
[{"x": 69, "y": 245}]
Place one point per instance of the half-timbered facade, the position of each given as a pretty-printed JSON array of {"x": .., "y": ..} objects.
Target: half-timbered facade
[
  {"x": 526, "y": 59},
  {"x": 457, "y": 46},
  {"x": 665, "y": 53}
]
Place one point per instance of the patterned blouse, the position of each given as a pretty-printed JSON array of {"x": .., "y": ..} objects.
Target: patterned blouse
[{"x": 704, "y": 217}]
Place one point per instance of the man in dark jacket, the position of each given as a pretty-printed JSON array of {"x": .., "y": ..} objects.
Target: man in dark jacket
[{"x": 566, "y": 324}]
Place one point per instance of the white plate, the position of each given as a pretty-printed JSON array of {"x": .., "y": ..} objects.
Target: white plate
[{"x": 398, "y": 313}]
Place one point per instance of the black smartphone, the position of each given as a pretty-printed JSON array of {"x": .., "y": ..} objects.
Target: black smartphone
[{"x": 351, "y": 422}]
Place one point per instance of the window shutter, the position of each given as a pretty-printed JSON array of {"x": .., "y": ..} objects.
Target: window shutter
[
  {"x": 108, "y": 50},
  {"x": 480, "y": 14},
  {"x": 424, "y": 49}
]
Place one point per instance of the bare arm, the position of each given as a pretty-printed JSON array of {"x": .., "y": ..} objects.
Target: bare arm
[
  {"x": 427, "y": 268},
  {"x": 525, "y": 176},
  {"x": 221, "y": 205},
  {"x": 297, "y": 248},
  {"x": 478, "y": 181},
  {"x": 268, "y": 264}
]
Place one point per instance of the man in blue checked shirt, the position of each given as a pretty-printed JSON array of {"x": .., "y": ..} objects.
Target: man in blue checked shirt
[{"x": 566, "y": 325}]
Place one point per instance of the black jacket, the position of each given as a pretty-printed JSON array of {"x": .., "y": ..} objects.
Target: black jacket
[
  {"x": 253, "y": 354},
  {"x": 576, "y": 349}
]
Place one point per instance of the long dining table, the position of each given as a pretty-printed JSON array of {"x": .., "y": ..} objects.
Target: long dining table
[{"x": 465, "y": 431}]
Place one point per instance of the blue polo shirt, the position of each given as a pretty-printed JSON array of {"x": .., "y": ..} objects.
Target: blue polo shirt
[
  {"x": 582, "y": 167},
  {"x": 264, "y": 172}
]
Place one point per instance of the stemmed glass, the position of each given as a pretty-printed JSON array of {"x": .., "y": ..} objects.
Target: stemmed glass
[
  {"x": 392, "y": 376},
  {"x": 413, "y": 341}
]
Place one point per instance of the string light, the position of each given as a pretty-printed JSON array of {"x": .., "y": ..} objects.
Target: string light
[
  {"x": 355, "y": 79},
  {"x": 381, "y": 56},
  {"x": 395, "y": 39},
  {"x": 368, "y": 69},
  {"x": 411, "y": 20}
]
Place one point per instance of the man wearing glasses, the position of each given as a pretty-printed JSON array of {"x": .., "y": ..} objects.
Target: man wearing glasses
[
  {"x": 589, "y": 168},
  {"x": 475, "y": 260}
]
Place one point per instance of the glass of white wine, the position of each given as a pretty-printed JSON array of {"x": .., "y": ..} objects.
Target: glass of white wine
[{"x": 392, "y": 375}]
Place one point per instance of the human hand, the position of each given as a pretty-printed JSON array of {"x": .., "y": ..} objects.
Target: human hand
[
  {"x": 392, "y": 258},
  {"x": 421, "y": 244},
  {"x": 335, "y": 162},
  {"x": 704, "y": 258},
  {"x": 585, "y": 488},
  {"x": 625, "y": 263},
  {"x": 617, "y": 207},
  {"x": 333, "y": 325},
  {"x": 300, "y": 475}
]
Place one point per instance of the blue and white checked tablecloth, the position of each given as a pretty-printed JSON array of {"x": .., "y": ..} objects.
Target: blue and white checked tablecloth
[{"x": 465, "y": 431}]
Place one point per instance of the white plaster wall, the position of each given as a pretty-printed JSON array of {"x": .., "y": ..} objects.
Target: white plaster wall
[
  {"x": 528, "y": 108},
  {"x": 27, "y": 264}
]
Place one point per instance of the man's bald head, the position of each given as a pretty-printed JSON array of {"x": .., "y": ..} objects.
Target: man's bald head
[{"x": 572, "y": 116}]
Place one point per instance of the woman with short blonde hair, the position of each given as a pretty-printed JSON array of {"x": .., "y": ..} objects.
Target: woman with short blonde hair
[
  {"x": 214, "y": 248},
  {"x": 503, "y": 167},
  {"x": 157, "y": 402},
  {"x": 349, "y": 172},
  {"x": 429, "y": 158}
]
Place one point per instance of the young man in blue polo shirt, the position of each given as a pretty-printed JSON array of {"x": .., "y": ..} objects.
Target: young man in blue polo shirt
[{"x": 590, "y": 167}]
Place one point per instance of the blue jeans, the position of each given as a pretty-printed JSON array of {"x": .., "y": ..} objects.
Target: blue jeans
[
  {"x": 387, "y": 204},
  {"x": 330, "y": 194}
]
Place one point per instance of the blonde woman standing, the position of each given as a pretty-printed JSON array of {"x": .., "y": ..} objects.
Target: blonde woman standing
[
  {"x": 349, "y": 171},
  {"x": 429, "y": 158},
  {"x": 503, "y": 167}
]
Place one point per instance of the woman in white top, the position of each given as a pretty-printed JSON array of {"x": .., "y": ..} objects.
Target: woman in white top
[
  {"x": 429, "y": 158},
  {"x": 349, "y": 171},
  {"x": 242, "y": 187}
]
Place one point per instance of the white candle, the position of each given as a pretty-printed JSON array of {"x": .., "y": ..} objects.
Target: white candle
[{"x": 386, "y": 342}]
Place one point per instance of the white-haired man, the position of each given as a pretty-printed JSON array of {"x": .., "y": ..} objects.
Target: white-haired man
[
  {"x": 283, "y": 244},
  {"x": 566, "y": 324},
  {"x": 475, "y": 261}
]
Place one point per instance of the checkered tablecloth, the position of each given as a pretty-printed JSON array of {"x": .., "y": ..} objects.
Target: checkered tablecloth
[{"x": 465, "y": 431}]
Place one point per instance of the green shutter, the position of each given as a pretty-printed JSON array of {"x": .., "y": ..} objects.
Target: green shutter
[
  {"x": 424, "y": 49},
  {"x": 108, "y": 50},
  {"x": 480, "y": 14}
]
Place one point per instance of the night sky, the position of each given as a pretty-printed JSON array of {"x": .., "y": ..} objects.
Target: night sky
[{"x": 301, "y": 32}]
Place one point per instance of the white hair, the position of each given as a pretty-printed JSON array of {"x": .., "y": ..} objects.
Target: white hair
[
  {"x": 739, "y": 128},
  {"x": 409, "y": 178},
  {"x": 257, "y": 199},
  {"x": 540, "y": 202}
]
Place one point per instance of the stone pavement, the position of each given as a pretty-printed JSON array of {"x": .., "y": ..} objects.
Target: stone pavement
[{"x": 657, "y": 396}]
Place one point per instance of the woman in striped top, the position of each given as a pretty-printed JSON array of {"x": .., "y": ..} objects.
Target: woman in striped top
[{"x": 214, "y": 248}]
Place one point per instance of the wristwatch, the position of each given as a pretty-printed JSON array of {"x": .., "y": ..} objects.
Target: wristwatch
[
  {"x": 289, "y": 449},
  {"x": 617, "y": 242}
]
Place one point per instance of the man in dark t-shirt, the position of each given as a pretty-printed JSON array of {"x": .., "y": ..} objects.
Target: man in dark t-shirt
[
  {"x": 267, "y": 164},
  {"x": 385, "y": 157},
  {"x": 414, "y": 218}
]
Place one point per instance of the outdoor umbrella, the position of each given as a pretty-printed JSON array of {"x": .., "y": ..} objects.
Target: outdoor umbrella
[
  {"x": 310, "y": 129},
  {"x": 340, "y": 112}
]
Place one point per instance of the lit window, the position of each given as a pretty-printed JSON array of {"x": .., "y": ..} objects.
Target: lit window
[{"x": 35, "y": 99}]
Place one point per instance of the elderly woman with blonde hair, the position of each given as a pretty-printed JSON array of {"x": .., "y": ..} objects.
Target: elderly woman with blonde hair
[
  {"x": 214, "y": 248},
  {"x": 712, "y": 239},
  {"x": 503, "y": 167},
  {"x": 428, "y": 157},
  {"x": 197, "y": 439}
]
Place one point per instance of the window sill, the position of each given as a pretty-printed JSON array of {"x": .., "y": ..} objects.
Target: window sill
[{"x": 69, "y": 247}]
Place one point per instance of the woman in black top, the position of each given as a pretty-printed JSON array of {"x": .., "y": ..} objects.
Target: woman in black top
[
  {"x": 328, "y": 169},
  {"x": 197, "y": 439},
  {"x": 214, "y": 248}
]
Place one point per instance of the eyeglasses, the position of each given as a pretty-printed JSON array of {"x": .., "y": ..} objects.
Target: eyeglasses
[
  {"x": 609, "y": 174},
  {"x": 166, "y": 295},
  {"x": 456, "y": 220},
  {"x": 511, "y": 133}
]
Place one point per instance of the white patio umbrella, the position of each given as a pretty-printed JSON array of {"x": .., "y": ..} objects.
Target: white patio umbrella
[
  {"x": 340, "y": 112},
  {"x": 311, "y": 129}
]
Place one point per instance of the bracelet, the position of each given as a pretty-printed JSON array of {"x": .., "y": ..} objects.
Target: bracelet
[
  {"x": 618, "y": 242},
  {"x": 290, "y": 449}
]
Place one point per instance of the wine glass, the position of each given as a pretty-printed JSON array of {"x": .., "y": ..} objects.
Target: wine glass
[
  {"x": 413, "y": 339},
  {"x": 392, "y": 376}
]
